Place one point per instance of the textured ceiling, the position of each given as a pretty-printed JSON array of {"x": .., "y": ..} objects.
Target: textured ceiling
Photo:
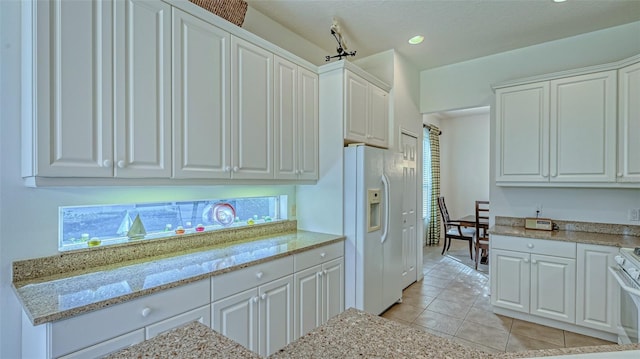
[{"x": 454, "y": 30}]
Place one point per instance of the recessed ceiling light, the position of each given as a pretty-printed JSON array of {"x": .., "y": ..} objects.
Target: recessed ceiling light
[
  {"x": 416, "y": 39},
  {"x": 559, "y": 1}
]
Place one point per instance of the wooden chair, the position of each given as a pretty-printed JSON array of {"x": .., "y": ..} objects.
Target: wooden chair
[
  {"x": 453, "y": 229},
  {"x": 481, "y": 239}
]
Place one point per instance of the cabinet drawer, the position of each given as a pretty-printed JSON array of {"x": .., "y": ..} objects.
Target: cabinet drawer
[
  {"x": 242, "y": 279},
  {"x": 316, "y": 256},
  {"x": 532, "y": 245},
  {"x": 108, "y": 347},
  {"x": 91, "y": 328},
  {"x": 202, "y": 315}
]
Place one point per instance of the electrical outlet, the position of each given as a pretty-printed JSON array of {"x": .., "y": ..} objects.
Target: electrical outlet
[{"x": 634, "y": 214}]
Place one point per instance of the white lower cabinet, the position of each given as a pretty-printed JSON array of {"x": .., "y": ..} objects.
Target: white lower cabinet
[
  {"x": 116, "y": 327},
  {"x": 596, "y": 294},
  {"x": 534, "y": 276},
  {"x": 318, "y": 295}
]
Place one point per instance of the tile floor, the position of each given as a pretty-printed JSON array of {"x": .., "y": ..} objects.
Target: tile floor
[{"x": 452, "y": 301}]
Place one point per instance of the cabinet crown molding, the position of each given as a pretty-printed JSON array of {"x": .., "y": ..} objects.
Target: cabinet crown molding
[
  {"x": 566, "y": 73},
  {"x": 346, "y": 65}
]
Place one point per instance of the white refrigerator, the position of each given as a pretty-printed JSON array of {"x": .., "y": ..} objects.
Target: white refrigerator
[{"x": 373, "y": 228}]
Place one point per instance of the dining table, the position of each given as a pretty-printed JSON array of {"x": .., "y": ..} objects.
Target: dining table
[{"x": 470, "y": 221}]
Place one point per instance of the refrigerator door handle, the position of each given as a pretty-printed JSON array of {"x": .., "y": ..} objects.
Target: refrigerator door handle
[{"x": 385, "y": 183}]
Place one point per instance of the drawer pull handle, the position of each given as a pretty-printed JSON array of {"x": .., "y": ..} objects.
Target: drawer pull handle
[
  {"x": 263, "y": 296},
  {"x": 259, "y": 275},
  {"x": 529, "y": 245},
  {"x": 146, "y": 311},
  {"x": 323, "y": 254}
]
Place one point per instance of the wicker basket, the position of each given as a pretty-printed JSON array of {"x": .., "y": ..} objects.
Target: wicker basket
[{"x": 230, "y": 10}]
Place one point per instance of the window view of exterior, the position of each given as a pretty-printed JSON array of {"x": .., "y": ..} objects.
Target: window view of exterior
[{"x": 84, "y": 226}]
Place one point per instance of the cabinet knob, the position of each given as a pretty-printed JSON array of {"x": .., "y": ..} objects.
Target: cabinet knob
[
  {"x": 323, "y": 254},
  {"x": 263, "y": 296},
  {"x": 227, "y": 169},
  {"x": 526, "y": 260},
  {"x": 533, "y": 261},
  {"x": 320, "y": 274},
  {"x": 259, "y": 275},
  {"x": 236, "y": 169},
  {"x": 530, "y": 245},
  {"x": 121, "y": 164},
  {"x": 324, "y": 272},
  {"x": 254, "y": 299},
  {"x": 107, "y": 163},
  {"x": 619, "y": 174},
  {"x": 146, "y": 311}
]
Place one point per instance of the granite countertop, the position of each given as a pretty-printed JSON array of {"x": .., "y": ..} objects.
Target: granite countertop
[
  {"x": 578, "y": 232},
  {"x": 64, "y": 295},
  {"x": 351, "y": 334}
]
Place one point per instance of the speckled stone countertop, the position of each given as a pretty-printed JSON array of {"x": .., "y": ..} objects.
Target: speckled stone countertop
[
  {"x": 66, "y": 294},
  {"x": 579, "y": 232},
  {"x": 193, "y": 340},
  {"x": 351, "y": 334}
]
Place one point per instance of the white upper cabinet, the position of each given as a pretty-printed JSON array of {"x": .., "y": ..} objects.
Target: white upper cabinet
[
  {"x": 251, "y": 111},
  {"x": 522, "y": 126},
  {"x": 139, "y": 92},
  {"x": 583, "y": 128},
  {"x": 573, "y": 129},
  {"x": 366, "y": 112},
  {"x": 69, "y": 132},
  {"x": 201, "y": 119},
  {"x": 142, "y": 89},
  {"x": 629, "y": 123},
  {"x": 296, "y": 121}
]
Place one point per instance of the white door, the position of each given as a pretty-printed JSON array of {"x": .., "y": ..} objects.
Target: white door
[
  {"x": 356, "y": 103},
  {"x": 629, "y": 124},
  {"x": 378, "y": 117},
  {"x": 201, "y": 120},
  {"x": 553, "y": 293},
  {"x": 74, "y": 117},
  {"x": 595, "y": 287},
  {"x": 143, "y": 89},
  {"x": 251, "y": 110},
  {"x": 308, "y": 300},
  {"x": 275, "y": 315},
  {"x": 583, "y": 128},
  {"x": 522, "y": 127},
  {"x": 332, "y": 289},
  {"x": 285, "y": 99},
  {"x": 510, "y": 278},
  {"x": 409, "y": 213},
  {"x": 308, "y": 125},
  {"x": 236, "y": 317}
]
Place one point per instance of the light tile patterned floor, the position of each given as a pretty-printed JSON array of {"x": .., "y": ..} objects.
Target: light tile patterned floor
[{"x": 452, "y": 301}]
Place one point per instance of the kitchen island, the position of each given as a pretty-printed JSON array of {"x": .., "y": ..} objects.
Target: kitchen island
[{"x": 351, "y": 334}]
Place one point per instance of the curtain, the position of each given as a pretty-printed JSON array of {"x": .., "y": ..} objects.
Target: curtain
[{"x": 431, "y": 184}]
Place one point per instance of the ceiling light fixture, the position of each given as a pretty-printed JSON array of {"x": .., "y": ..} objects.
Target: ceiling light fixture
[
  {"x": 559, "y": 1},
  {"x": 416, "y": 39}
]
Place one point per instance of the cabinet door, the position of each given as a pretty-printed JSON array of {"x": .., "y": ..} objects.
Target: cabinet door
[
  {"x": 236, "y": 317},
  {"x": 596, "y": 296},
  {"x": 583, "y": 128},
  {"x": 378, "y": 121},
  {"x": 143, "y": 89},
  {"x": 510, "y": 279},
  {"x": 276, "y": 315},
  {"x": 356, "y": 107},
  {"x": 73, "y": 117},
  {"x": 522, "y": 133},
  {"x": 629, "y": 124},
  {"x": 108, "y": 346},
  {"x": 553, "y": 293},
  {"x": 251, "y": 110},
  {"x": 308, "y": 300},
  {"x": 332, "y": 289},
  {"x": 307, "y": 136},
  {"x": 201, "y": 120},
  {"x": 286, "y": 120}
]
